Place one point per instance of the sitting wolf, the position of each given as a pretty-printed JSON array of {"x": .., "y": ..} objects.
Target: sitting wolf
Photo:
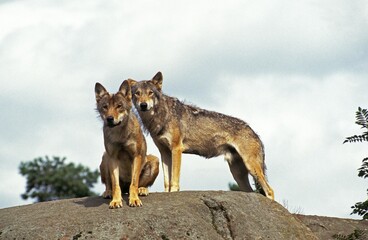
[{"x": 125, "y": 167}]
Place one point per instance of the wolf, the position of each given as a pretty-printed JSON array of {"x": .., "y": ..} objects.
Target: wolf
[
  {"x": 124, "y": 160},
  {"x": 177, "y": 128}
]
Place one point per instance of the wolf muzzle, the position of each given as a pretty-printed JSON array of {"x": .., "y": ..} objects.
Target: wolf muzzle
[
  {"x": 110, "y": 121},
  {"x": 143, "y": 106}
]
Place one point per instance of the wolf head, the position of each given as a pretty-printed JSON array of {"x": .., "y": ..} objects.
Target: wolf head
[
  {"x": 113, "y": 108},
  {"x": 146, "y": 93}
]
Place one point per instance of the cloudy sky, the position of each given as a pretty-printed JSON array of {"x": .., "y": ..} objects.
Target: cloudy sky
[{"x": 295, "y": 71}]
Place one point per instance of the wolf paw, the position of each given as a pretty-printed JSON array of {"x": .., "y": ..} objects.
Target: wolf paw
[
  {"x": 135, "y": 202},
  {"x": 174, "y": 189},
  {"x": 143, "y": 191},
  {"x": 116, "y": 204},
  {"x": 107, "y": 194}
]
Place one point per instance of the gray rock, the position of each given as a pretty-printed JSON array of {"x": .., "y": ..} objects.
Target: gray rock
[
  {"x": 182, "y": 215},
  {"x": 326, "y": 227}
]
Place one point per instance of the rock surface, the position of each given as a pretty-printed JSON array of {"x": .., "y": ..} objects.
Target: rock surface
[
  {"x": 326, "y": 227},
  {"x": 182, "y": 215}
]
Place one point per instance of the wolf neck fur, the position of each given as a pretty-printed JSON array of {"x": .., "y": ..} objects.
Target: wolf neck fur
[
  {"x": 155, "y": 119},
  {"x": 119, "y": 133}
]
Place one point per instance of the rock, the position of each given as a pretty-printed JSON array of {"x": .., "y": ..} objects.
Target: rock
[
  {"x": 181, "y": 215},
  {"x": 326, "y": 227}
]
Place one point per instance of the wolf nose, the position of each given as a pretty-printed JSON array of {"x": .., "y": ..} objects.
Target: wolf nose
[
  {"x": 110, "y": 119},
  {"x": 143, "y": 106}
]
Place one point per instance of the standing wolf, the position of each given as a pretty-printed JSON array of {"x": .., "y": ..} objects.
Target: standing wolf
[
  {"x": 178, "y": 128},
  {"x": 125, "y": 159}
]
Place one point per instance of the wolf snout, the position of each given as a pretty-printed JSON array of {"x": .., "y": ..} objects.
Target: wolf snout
[
  {"x": 143, "y": 106},
  {"x": 110, "y": 120}
]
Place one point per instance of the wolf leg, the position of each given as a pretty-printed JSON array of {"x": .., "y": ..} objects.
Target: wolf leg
[
  {"x": 252, "y": 155},
  {"x": 176, "y": 165},
  {"x": 116, "y": 201},
  {"x": 148, "y": 174},
  {"x": 134, "y": 200},
  {"x": 254, "y": 162},
  {"x": 257, "y": 173},
  {"x": 105, "y": 176},
  {"x": 166, "y": 165},
  {"x": 239, "y": 172}
]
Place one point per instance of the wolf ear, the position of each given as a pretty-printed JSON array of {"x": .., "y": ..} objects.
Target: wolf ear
[
  {"x": 157, "y": 81},
  {"x": 126, "y": 90},
  {"x": 100, "y": 91},
  {"x": 131, "y": 81}
]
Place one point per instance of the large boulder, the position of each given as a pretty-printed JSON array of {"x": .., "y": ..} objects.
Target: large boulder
[{"x": 181, "y": 215}]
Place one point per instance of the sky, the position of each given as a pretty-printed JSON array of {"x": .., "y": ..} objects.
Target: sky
[{"x": 295, "y": 71}]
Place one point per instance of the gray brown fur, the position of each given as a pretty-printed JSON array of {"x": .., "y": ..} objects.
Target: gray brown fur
[
  {"x": 124, "y": 166},
  {"x": 178, "y": 128}
]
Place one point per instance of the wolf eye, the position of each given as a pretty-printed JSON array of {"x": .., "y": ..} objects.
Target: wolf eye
[
  {"x": 119, "y": 106},
  {"x": 150, "y": 93},
  {"x": 137, "y": 93},
  {"x": 105, "y": 107}
]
